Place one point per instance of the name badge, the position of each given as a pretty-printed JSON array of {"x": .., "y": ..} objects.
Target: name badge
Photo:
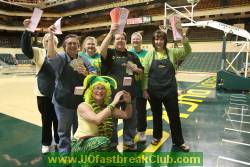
[
  {"x": 161, "y": 66},
  {"x": 127, "y": 81},
  {"x": 78, "y": 90}
]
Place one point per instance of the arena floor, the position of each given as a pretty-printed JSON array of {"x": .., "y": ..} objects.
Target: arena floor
[{"x": 214, "y": 123}]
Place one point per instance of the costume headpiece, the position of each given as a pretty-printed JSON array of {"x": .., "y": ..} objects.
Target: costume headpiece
[{"x": 92, "y": 80}]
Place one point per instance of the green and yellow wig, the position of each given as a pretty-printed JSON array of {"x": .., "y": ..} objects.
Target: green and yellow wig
[{"x": 92, "y": 80}]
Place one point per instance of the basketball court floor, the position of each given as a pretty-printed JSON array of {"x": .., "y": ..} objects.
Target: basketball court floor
[{"x": 215, "y": 123}]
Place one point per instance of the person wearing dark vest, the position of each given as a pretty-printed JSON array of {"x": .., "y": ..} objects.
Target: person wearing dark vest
[
  {"x": 44, "y": 86},
  {"x": 70, "y": 72},
  {"x": 160, "y": 86},
  {"x": 122, "y": 65}
]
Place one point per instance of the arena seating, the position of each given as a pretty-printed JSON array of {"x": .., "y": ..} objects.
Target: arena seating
[
  {"x": 22, "y": 59},
  {"x": 204, "y": 34},
  {"x": 7, "y": 58},
  {"x": 212, "y": 4},
  {"x": 9, "y": 42},
  {"x": 238, "y": 2},
  {"x": 210, "y": 62},
  {"x": 238, "y": 64},
  {"x": 2, "y": 63},
  {"x": 208, "y": 4}
]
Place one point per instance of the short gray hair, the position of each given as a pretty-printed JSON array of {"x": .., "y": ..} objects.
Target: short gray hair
[{"x": 136, "y": 34}]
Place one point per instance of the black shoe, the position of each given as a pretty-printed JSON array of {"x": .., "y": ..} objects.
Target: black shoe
[
  {"x": 129, "y": 147},
  {"x": 183, "y": 148},
  {"x": 114, "y": 149}
]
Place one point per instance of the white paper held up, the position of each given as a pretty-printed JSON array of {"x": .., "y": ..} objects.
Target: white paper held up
[
  {"x": 119, "y": 16},
  {"x": 57, "y": 25},
  {"x": 35, "y": 18},
  {"x": 123, "y": 19}
]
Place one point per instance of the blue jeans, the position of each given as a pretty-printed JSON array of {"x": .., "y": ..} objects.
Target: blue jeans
[
  {"x": 66, "y": 118},
  {"x": 129, "y": 128}
]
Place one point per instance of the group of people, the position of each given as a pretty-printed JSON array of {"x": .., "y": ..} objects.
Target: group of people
[{"x": 117, "y": 84}]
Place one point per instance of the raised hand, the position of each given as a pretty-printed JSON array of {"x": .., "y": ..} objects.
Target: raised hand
[
  {"x": 118, "y": 97},
  {"x": 26, "y": 23},
  {"x": 132, "y": 66},
  {"x": 126, "y": 97},
  {"x": 78, "y": 65},
  {"x": 52, "y": 29},
  {"x": 114, "y": 28}
]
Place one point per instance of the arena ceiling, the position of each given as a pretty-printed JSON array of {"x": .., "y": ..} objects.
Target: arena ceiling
[
  {"x": 13, "y": 12},
  {"x": 84, "y": 15}
]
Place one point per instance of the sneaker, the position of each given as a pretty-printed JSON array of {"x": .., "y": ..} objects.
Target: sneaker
[
  {"x": 155, "y": 141},
  {"x": 45, "y": 149},
  {"x": 142, "y": 136},
  {"x": 53, "y": 148}
]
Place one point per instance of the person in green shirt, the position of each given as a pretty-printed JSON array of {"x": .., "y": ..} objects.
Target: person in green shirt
[
  {"x": 141, "y": 102},
  {"x": 160, "y": 86},
  {"x": 90, "y": 53}
]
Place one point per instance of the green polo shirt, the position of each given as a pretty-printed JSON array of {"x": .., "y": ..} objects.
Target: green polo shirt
[{"x": 138, "y": 78}]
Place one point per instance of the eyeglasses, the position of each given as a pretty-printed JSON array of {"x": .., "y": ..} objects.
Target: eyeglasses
[{"x": 100, "y": 88}]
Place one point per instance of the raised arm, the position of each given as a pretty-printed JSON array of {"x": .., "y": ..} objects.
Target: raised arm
[
  {"x": 26, "y": 40},
  {"x": 181, "y": 53},
  {"x": 88, "y": 114},
  {"x": 51, "y": 44},
  {"x": 107, "y": 40}
]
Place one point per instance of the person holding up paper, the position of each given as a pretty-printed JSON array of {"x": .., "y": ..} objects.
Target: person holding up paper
[
  {"x": 160, "y": 87},
  {"x": 122, "y": 65},
  {"x": 44, "y": 87},
  {"x": 89, "y": 52},
  {"x": 70, "y": 72},
  {"x": 141, "y": 102}
]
